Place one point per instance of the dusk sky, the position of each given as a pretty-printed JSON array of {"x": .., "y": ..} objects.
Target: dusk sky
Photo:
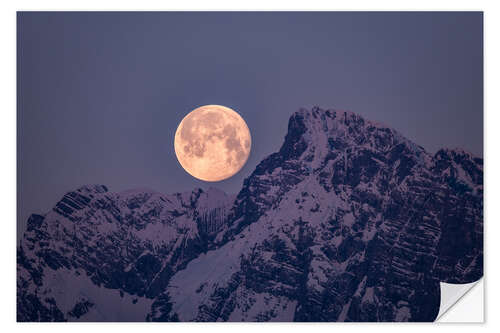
[{"x": 100, "y": 95}]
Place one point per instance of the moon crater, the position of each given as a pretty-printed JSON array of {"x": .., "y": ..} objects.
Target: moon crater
[{"x": 212, "y": 143}]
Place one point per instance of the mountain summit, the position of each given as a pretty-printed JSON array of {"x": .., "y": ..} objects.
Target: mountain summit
[{"x": 348, "y": 221}]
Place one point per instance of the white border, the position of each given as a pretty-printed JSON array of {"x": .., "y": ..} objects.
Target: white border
[{"x": 8, "y": 139}]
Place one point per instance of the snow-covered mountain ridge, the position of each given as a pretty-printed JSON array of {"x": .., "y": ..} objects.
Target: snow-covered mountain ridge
[{"x": 348, "y": 221}]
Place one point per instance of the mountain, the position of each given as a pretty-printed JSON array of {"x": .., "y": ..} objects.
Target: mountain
[
  {"x": 96, "y": 244},
  {"x": 348, "y": 221}
]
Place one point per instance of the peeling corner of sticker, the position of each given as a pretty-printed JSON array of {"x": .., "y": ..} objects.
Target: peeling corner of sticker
[{"x": 452, "y": 294}]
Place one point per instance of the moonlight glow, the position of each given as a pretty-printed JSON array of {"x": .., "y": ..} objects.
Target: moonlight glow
[{"x": 212, "y": 143}]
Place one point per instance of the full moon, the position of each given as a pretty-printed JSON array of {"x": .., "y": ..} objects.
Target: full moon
[{"x": 212, "y": 143}]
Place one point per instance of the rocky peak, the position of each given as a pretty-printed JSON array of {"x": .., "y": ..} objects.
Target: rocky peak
[
  {"x": 344, "y": 131},
  {"x": 347, "y": 222},
  {"x": 93, "y": 188},
  {"x": 341, "y": 148}
]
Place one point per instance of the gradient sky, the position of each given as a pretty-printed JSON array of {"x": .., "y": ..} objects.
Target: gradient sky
[{"x": 101, "y": 94}]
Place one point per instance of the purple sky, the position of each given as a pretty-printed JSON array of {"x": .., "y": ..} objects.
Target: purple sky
[{"x": 101, "y": 94}]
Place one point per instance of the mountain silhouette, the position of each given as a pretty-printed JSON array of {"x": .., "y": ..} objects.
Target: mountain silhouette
[{"x": 348, "y": 221}]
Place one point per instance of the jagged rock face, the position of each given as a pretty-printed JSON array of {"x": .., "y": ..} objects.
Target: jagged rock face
[
  {"x": 131, "y": 242},
  {"x": 460, "y": 254},
  {"x": 349, "y": 221}
]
